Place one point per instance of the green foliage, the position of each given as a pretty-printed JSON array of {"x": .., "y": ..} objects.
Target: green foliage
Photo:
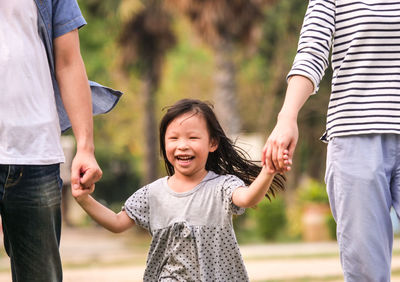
[
  {"x": 313, "y": 191},
  {"x": 97, "y": 39},
  {"x": 120, "y": 177},
  {"x": 262, "y": 76},
  {"x": 188, "y": 72},
  {"x": 330, "y": 221},
  {"x": 282, "y": 25},
  {"x": 269, "y": 218},
  {"x": 145, "y": 39},
  {"x": 310, "y": 192}
]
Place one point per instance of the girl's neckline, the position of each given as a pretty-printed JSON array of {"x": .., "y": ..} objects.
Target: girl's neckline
[{"x": 193, "y": 190}]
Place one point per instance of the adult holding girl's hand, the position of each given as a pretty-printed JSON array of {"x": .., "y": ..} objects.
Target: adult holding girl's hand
[
  {"x": 286, "y": 133},
  {"x": 84, "y": 171}
]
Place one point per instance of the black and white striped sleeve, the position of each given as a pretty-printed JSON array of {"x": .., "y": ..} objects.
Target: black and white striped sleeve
[{"x": 315, "y": 41}]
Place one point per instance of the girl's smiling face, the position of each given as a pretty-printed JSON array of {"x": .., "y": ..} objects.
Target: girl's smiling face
[{"x": 187, "y": 144}]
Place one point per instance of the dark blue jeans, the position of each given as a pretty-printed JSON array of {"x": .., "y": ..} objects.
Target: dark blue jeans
[{"x": 30, "y": 199}]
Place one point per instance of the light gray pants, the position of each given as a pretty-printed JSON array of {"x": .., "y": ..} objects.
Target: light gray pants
[{"x": 363, "y": 183}]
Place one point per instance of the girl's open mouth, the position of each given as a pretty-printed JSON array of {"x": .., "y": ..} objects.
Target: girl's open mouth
[{"x": 184, "y": 158}]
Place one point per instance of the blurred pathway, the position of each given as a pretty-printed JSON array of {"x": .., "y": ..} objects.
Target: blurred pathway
[{"x": 98, "y": 255}]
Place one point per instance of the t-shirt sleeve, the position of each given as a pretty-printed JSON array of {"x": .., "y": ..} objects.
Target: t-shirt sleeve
[
  {"x": 229, "y": 185},
  {"x": 137, "y": 207},
  {"x": 66, "y": 17}
]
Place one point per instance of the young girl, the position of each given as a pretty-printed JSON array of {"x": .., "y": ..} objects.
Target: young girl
[{"x": 189, "y": 213}]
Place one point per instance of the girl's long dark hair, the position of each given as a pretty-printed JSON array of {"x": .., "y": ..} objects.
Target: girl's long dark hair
[{"x": 228, "y": 158}]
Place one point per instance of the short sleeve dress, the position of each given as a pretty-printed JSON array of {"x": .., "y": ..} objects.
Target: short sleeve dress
[{"x": 192, "y": 232}]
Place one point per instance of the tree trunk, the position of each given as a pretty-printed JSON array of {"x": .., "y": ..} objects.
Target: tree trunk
[
  {"x": 226, "y": 105},
  {"x": 150, "y": 127}
]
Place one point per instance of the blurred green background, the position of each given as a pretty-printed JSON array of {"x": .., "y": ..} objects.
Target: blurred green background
[{"x": 234, "y": 54}]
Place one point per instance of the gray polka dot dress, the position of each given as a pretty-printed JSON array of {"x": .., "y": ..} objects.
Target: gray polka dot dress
[{"x": 192, "y": 233}]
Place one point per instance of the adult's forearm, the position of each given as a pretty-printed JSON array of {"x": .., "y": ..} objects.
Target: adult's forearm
[
  {"x": 75, "y": 93},
  {"x": 298, "y": 90},
  {"x": 74, "y": 87}
]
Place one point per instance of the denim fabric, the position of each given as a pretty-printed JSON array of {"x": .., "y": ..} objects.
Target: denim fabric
[
  {"x": 56, "y": 18},
  {"x": 30, "y": 198},
  {"x": 363, "y": 183}
]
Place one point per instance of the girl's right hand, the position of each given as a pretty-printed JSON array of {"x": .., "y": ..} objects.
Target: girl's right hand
[
  {"x": 287, "y": 163},
  {"x": 80, "y": 193}
]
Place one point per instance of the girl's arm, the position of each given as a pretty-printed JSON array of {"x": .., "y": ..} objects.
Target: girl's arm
[
  {"x": 116, "y": 223},
  {"x": 246, "y": 197}
]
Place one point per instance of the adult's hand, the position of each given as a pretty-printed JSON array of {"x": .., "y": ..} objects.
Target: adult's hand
[
  {"x": 84, "y": 170},
  {"x": 283, "y": 137}
]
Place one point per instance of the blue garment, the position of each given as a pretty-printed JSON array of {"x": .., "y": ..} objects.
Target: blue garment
[
  {"x": 363, "y": 183},
  {"x": 56, "y": 18},
  {"x": 30, "y": 200}
]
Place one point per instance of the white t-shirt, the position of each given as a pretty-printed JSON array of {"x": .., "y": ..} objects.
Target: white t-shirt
[{"x": 29, "y": 127}]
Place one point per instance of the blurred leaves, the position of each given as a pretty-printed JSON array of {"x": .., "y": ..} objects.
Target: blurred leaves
[
  {"x": 312, "y": 191},
  {"x": 146, "y": 37},
  {"x": 216, "y": 21},
  {"x": 186, "y": 67},
  {"x": 270, "y": 218}
]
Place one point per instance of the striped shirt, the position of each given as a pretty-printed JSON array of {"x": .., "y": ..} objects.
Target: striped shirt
[{"x": 365, "y": 40}]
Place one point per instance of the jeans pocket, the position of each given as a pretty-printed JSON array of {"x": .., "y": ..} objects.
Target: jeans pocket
[{"x": 34, "y": 185}]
